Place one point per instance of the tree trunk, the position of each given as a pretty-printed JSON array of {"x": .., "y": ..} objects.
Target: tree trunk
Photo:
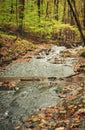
[
  {"x": 38, "y": 4},
  {"x": 77, "y": 21},
  {"x": 56, "y": 4},
  {"x": 21, "y": 15},
  {"x": 47, "y": 14},
  {"x": 74, "y": 4},
  {"x": 64, "y": 12},
  {"x": 16, "y": 14},
  {"x": 12, "y": 10},
  {"x": 84, "y": 15}
]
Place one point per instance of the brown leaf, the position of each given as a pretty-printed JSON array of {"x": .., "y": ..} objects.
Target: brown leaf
[{"x": 81, "y": 111}]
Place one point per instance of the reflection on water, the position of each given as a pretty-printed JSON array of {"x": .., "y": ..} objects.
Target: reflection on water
[{"x": 17, "y": 106}]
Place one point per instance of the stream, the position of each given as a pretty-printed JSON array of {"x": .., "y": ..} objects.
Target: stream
[{"x": 48, "y": 66}]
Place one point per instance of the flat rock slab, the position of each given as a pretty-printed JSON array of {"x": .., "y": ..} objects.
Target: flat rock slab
[{"x": 37, "y": 67}]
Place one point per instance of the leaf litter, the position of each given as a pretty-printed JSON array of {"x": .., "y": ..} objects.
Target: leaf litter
[{"x": 68, "y": 114}]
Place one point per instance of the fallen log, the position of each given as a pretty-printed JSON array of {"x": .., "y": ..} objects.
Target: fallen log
[
  {"x": 73, "y": 75},
  {"x": 29, "y": 79}
]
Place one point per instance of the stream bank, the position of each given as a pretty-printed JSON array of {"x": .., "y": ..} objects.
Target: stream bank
[{"x": 33, "y": 95}]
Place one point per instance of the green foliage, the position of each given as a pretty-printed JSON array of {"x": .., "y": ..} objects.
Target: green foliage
[
  {"x": 46, "y": 25},
  {"x": 23, "y": 46},
  {"x": 5, "y": 35}
]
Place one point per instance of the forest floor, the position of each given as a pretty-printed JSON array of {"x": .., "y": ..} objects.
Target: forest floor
[
  {"x": 14, "y": 49},
  {"x": 17, "y": 49},
  {"x": 69, "y": 113}
]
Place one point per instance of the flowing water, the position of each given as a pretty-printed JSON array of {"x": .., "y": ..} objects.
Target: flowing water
[{"x": 16, "y": 106}]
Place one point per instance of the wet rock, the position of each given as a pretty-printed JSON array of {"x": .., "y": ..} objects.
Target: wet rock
[{"x": 6, "y": 114}]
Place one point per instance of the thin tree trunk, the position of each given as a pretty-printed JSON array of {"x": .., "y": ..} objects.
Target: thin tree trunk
[
  {"x": 64, "y": 12},
  {"x": 77, "y": 21},
  {"x": 16, "y": 14},
  {"x": 38, "y": 4},
  {"x": 56, "y": 4},
  {"x": 12, "y": 10},
  {"x": 84, "y": 15},
  {"x": 74, "y": 4},
  {"x": 57, "y": 16},
  {"x": 21, "y": 15},
  {"x": 47, "y": 10},
  {"x": 42, "y": 2}
]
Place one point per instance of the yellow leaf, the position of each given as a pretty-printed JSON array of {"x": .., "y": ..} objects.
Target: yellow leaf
[
  {"x": 35, "y": 119},
  {"x": 60, "y": 128},
  {"x": 63, "y": 112},
  {"x": 17, "y": 128},
  {"x": 43, "y": 121}
]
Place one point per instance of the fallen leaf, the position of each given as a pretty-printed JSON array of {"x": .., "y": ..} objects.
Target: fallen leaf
[
  {"x": 63, "y": 112},
  {"x": 60, "y": 128},
  {"x": 80, "y": 111},
  {"x": 17, "y": 128}
]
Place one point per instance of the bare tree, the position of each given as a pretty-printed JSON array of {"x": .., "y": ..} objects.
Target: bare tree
[{"x": 77, "y": 21}]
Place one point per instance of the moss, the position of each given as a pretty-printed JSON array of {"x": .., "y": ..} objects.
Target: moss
[
  {"x": 15, "y": 58},
  {"x": 24, "y": 45}
]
